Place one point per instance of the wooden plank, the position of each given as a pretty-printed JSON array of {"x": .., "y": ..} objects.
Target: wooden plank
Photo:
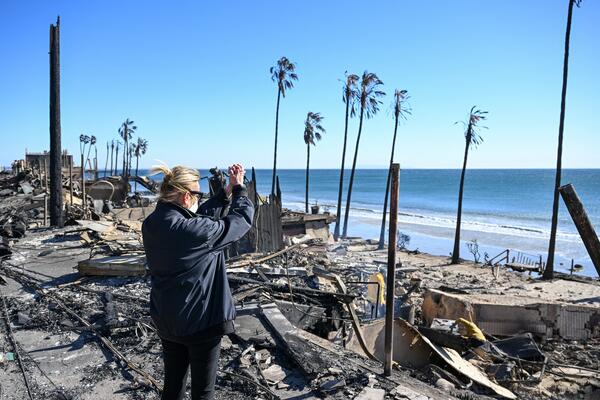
[
  {"x": 113, "y": 266},
  {"x": 97, "y": 226},
  {"x": 520, "y": 267}
]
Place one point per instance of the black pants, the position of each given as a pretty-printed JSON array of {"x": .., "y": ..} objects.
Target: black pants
[{"x": 202, "y": 356}]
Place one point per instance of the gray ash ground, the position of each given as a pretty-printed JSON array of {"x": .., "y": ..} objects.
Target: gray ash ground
[{"x": 77, "y": 366}]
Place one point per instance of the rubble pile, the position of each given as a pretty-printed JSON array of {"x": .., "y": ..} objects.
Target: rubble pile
[{"x": 76, "y": 324}]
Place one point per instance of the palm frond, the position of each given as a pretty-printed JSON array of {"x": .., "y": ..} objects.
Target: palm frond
[
  {"x": 283, "y": 73},
  {"x": 472, "y": 132},
  {"x": 370, "y": 94},
  {"x": 401, "y": 107},
  {"x": 313, "y": 128},
  {"x": 350, "y": 93}
]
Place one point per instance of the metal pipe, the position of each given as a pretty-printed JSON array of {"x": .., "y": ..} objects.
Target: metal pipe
[{"x": 391, "y": 271}]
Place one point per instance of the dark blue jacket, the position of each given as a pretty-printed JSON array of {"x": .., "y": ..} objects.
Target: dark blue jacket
[{"x": 184, "y": 251}]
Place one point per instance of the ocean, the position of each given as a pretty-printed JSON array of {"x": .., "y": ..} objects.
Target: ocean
[{"x": 502, "y": 208}]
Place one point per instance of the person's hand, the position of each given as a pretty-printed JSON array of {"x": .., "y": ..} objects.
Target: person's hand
[{"x": 236, "y": 176}]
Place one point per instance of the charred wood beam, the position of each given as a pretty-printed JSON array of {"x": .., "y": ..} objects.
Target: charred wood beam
[
  {"x": 582, "y": 222},
  {"x": 56, "y": 198},
  {"x": 391, "y": 271},
  {"x": 284, "y": 287}
]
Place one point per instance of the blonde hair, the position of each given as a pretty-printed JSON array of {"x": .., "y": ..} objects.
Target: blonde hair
[{"x": 176, "y": 180}]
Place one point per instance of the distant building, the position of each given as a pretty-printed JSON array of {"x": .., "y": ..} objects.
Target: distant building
[{"x": 42, "y": 160}]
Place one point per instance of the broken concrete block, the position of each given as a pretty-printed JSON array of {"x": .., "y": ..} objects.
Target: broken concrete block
[
  {"x": 226, "y": 343},
  {"x": 251, "y": 330},
  {"x": 274, "y": 374},
  {"x": 26, "y": 187},
  {"x": 369, "y": 393},
  {"x": 444, "y": 384},
  {"x": 508, "y": 316},
  {"x": 403, "y": 392},
  {"x": 23, "y": 318}
]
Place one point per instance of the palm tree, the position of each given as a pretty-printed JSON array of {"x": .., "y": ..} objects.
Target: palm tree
[
  {"x": 126, "y": 132},
  {"x": 92, "y": 142},
  {"x": 312, "y": 130},
  {"x": 400, "y": 111},
  {"x": 140, "y": 149},
  {"x": 369, "y": 106},
  {"x": 96, "y": 160},
  {"x": 83, "y": 141},
  {"x": 549, "y": 270},
  {"x": 472, "y": 139},
  {"x": 130, "y": 154},
  {"x": 112, "y": 150},
  {"x": 349, "y": 97},
  {"x": 106, "y": 164},
  {"x": 282, "y": 73},
  {"x": 116, "y": 156}
]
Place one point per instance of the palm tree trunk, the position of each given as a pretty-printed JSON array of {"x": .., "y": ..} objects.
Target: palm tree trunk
[
  {"x": 275, "y": 150},
  {"x": 116, "y": 159},
  {"x": 82, "y": 154},
  {"x": 129, "y": 159},
  {"x": 349, "y": 198},
  {"x": 456, "y": 251},
  {"x": 87, "y": 158},
  {"x": 137, "y": 161},
  {"x": 125, "y": 147},
  {"x": 307, "y": 175},
  {"x": 106, "y": 164},
  {"x": 336, "y": 232},
  {"x": 112, "y": 150},
  {"x": 387, "y": 190},
  {"x": 549, "y": 270}
]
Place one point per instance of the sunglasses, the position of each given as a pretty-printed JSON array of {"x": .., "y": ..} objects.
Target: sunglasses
[{"x": 198, "y": 195}]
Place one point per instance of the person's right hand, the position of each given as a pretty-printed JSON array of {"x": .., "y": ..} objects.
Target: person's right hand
[{"x": 236, "y": 175}]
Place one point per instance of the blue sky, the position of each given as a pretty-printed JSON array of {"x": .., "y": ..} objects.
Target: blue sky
[{"x": 194, "y": 76}]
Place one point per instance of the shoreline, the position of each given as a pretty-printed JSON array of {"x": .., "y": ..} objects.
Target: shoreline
[{"x": 438, "y": 241}]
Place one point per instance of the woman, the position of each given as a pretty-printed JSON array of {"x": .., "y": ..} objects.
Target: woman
[{"x": 190, "y": 299}]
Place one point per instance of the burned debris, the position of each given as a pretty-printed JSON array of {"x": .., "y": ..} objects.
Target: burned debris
[{"x": 309, "y": 310}]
